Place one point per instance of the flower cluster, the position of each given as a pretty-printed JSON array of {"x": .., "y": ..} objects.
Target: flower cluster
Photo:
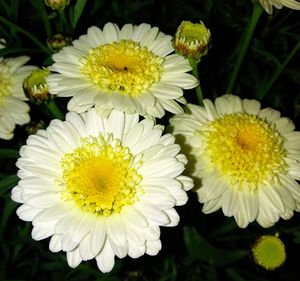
[{"x": 101, "y": 183}]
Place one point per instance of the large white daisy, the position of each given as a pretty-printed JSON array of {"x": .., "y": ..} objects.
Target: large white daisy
[
  {"x": 129, "y": 69},
  {"x": 244, "y": 159},
  {"x": 101, "y": 187},
  {"x": 13, "y": 109},
  {"x": 269, "y": 4}
]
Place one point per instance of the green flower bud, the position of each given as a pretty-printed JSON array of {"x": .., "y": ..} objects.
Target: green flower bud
[
  {"x": 34, "y": 126},
  {"x": 35, "y": 86},
  {"x": 269, "y": 252},
  {"x": 192, "y": 40},
  {"x": 57, "y": 4},
  {"x": 58, "y": 41}
]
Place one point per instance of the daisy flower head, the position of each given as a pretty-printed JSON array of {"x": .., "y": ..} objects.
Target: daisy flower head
[
  {"x": 246, "y": 159},
  {"x": 130, "y": 69},
  {"x": 101, "y": 187},
  {"x": 13, "y": 109},
  {"x": 278, "y": 4}
]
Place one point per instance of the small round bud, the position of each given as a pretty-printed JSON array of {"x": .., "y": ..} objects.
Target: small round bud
[
  {"x": 35, "y": 86},
  {"x": 192, "y": 40},
  {"x": 269, "y": 252},
  {"x": 34, "y": 126},
  {"x": 57, "y": 4},
  {"x": 58, "y": 41}
]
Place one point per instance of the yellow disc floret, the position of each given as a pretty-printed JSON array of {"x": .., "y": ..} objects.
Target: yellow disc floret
[
  {"x": 6, "y": 81},
  {"x": 245, "y": 149},
  {"x": 99, "y": 176},
  {"x": 123, "y": 67}
]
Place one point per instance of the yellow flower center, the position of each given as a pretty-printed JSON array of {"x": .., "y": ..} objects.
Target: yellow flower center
[
  {"x": 6, "y": 81},
  {"x": 123, "y": 66},
  {"x": 245, "y": 149},
  {"x": 99, "y": 176}
]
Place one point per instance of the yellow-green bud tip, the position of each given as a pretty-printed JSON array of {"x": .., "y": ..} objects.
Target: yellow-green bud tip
[
  {"x": 35, "y": 86},
  {"x": 192, "y": 40},
  {"x": 269, "y": 252},
  {"x": 57, "y": 4},
  {"x": 58, "y": 41}
]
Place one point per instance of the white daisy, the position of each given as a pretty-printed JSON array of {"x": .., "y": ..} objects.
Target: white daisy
[
  {"x": 101, "y": 187},
  {"x": 246, "y": 158},
  {"x": 13, "y": 109},
  {"x": 268, "y": 4},
  {"x": 129, "y": 69}
]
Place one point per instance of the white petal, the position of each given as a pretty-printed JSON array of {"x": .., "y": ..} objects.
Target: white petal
[
  {"x": 74, "y": 258},
  {"x": 135, "y": 250},
  {"x": 116, "y": 229},
  {"x": 43, "y": 230},
  {"x": 152, "y": 213},
  {"x": 84, "y": 248},
  {"x": 98, "y": 236},
  {"x": 110, "y": 32},
  {"x": 230, "y": 202},
  {"x": 27, "y": 213},
  {"x": 16, "y": 195},
  {"x": 210, "y": 109},
  {"x": 134, "y": 216},
  {"x": 55, "y": 243},
  {"x": 251, "y": 106},
  {"x": 153, "y": 247},
  {"x": 173, "y": 217},
  {"x": 212, "y": 206},
  {"x": 106, "y": 259}
]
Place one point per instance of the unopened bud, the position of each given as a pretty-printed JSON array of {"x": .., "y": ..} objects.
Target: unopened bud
[
  {"x": 58, "y": 41},
  {"x": 269, "y": 252},
  {"x": 35, "y": 86},
  {"x": 57, "y": 4},
  {"x": 192, "y": 40}
]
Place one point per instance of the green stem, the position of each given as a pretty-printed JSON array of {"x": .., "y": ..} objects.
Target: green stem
[
  {"x": 65, "y": 23},
  {"x": 279, "y": 70},
  {"x": 246, "y": 39},
  {"x": 56, "y": 112},
  {"x": 26, "y": 33},
  {"x": 194, "y": 64}
]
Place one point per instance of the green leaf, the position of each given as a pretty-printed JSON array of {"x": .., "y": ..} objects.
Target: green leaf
[
  {"x": 9, "y": 207},
  {"x": 202, "y": 250},
  {"x": 9, "y": 153},
  {"x": 7, "y": 183},
  {"x": 229, "y": 225},
  {"x": 76, "y": 11},
  {"x": 41, "y": 10},
  {"x": 234, "y": 276}
]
